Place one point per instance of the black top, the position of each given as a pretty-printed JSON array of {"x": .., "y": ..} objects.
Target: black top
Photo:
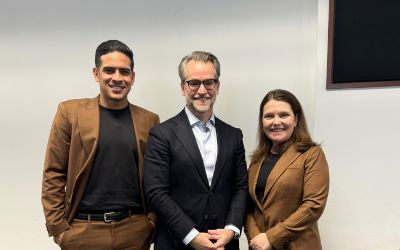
[
  {"x": 114, "y": 182},
  {"x": 265, "y": 170}
]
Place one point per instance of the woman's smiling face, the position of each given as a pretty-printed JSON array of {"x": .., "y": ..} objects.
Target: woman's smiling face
[{"x": 278, "y": 121}]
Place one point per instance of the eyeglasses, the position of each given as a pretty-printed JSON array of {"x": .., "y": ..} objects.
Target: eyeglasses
[{"x": 209, "y": 84}]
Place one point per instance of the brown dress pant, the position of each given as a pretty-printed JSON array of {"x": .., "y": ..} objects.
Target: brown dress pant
[{"x": 132, "y": 233}]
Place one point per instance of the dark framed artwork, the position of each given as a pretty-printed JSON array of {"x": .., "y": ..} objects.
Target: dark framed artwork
[{"x": 363, "y": 44}]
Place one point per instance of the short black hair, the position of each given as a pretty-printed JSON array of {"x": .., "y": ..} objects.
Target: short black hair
[{"x": 111, "y": 46}]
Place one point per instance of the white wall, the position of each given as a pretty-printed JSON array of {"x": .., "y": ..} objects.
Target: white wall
[
  {"x": 360, "y": 133},
  {"x": 47, "y": 52}
]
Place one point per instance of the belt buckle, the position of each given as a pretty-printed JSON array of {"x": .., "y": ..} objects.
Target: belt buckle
[{"x": 108, "y": 214}]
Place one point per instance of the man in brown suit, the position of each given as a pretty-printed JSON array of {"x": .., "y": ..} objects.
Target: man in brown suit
[{"x": 92, "y": 190}]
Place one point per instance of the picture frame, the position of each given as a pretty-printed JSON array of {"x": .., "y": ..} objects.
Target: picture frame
[{"x": 363, "y": 44}]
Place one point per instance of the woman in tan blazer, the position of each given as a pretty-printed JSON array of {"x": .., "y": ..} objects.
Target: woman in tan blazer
[{"x": 288, "y": 179}]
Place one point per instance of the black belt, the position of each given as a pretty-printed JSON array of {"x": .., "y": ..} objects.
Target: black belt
[{"x": 108, "y": 216}]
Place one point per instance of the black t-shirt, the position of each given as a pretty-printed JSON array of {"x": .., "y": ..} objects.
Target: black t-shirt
[{"x": 114, "y": 182}]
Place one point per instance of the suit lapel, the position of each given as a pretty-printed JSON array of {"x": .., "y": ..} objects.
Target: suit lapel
[
  {"x": 88, "y": 122},
  {"x": 287, "y": 158},
  {"x": 254, "y": 171},
  {"x": 140, "y": 134},
  {"x": 185, "y": 136},
  {"x": 137, "y": 121},
  {"x": 222, "y": 151}
]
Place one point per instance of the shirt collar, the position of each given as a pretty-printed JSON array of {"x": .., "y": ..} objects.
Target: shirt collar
[{"x": 193, "y": 119}]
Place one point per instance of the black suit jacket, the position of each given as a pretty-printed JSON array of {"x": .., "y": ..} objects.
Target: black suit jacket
[{"x": 176, "y": 184}]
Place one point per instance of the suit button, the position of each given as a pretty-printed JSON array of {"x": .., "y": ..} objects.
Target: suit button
[
  {"x": 205, "y": 217},
  {"x": 211, "y": 194}
]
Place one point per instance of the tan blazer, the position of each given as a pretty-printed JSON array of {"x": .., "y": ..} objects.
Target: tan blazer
[
  {"x": 70, "y": 153},
  {"x": 294, "y": 198}
]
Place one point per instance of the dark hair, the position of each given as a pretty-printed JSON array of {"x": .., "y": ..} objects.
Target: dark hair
[
  {"x": 111, "y": 46},
  {"x": 198, "y": 56},
  {"x": 300, "y": 138}
]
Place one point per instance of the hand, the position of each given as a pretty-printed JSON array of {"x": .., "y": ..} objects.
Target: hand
[
  {"x": 58, "y": 238},
  {"x": 202, "y": 242},
  {"x": 261, "y": 242},
  {"x": 222, "y": 236}
]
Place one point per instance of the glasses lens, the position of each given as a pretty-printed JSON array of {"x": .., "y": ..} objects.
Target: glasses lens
[
  {"x": 209, "y": 84},
  {"x": 194, "y": 84}
]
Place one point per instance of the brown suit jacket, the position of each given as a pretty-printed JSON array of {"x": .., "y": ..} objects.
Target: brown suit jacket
[
  {"x": 70, "y": 153},
  {"x": 294, "y": 198}
]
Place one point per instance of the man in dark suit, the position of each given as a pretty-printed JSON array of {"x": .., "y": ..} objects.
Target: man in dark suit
[
  {"x": 195, "y": 168},
  {"x": 92, "y": 190}
]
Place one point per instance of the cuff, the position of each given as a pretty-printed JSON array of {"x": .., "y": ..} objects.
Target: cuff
[
  {"x": 190, "y": 236},
  {"x": 57, "y": 228},
  {"x": 235, "y": 230}
]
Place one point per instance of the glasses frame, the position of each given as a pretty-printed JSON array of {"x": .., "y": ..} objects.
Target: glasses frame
[{"x": 202, "y": 82}]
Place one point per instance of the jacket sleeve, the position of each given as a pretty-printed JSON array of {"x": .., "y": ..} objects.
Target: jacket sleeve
[
  {"x": 55, "y": 174},
  {"x": 250, "y": 226},
  {"x": 237, "y": 212},
  {"x": 315, "y": 194},
  {"x": 151, "y": 215},
  {"x": 157, "y": 185}
]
